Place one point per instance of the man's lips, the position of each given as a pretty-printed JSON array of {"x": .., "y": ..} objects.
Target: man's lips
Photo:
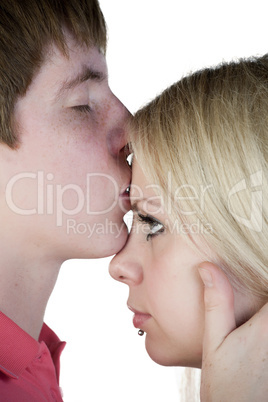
[
  {"x": 125, "y": 191},
  {"x": 139, "y": 318},
  {"x": 125, "y": 200}
]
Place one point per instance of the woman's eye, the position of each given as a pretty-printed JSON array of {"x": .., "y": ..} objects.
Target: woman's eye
[
  {"x": 155, "y": 227},
  {"x": 82, "y": 108}
]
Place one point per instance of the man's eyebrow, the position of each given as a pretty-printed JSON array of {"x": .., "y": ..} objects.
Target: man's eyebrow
[{"x": 85, "y": 75}]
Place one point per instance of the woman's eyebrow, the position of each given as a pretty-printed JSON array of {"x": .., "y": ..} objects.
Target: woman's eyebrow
[
  {"x": 134, "y": 207},
  {"x": 153, "y": 202}
]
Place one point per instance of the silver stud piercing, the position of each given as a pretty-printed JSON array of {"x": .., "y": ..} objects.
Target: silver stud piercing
[{"x": 141, "y": 332}]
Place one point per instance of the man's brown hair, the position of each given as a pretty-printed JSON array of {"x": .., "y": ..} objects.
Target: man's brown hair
[{"x": 27, "y": 28}]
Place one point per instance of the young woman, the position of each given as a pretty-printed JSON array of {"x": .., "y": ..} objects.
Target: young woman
[{"x": 199, "y": 201}]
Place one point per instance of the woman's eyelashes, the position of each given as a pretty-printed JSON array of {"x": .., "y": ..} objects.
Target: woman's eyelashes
[{"x": 153, "y": 225}]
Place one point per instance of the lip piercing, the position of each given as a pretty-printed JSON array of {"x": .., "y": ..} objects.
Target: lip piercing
[{"x": 140, "y": 332}]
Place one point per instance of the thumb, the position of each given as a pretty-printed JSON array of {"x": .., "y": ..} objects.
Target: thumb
[{"x": 219, "y": 306}]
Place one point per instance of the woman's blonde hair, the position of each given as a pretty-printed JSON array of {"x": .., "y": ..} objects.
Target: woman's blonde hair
[{"x": 204, "y": 142}]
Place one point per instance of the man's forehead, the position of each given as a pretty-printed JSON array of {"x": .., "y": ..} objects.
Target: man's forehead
[{"x": 62, "y": 73}]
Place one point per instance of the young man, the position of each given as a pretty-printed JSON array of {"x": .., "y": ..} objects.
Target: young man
[{"x": 63, "y": 164}]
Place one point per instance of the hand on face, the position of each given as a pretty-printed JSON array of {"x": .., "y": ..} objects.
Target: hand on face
[{"x": 235, "y": 360}]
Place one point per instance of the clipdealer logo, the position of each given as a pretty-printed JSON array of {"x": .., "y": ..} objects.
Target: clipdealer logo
[
  {"x": 50, "y": 196},
  {"x": 254, "y": 221},
  {"x": 49, "y": 199}
]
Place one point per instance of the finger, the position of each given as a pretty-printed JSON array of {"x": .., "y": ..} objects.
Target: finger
[{"x": 219, "y": 306}]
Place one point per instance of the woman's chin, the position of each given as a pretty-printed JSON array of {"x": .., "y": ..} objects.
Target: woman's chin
[{"x": 164, "y": 356}]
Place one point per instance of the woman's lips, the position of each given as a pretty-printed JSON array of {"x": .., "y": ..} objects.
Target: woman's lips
[{"x": 139, "y": 318}]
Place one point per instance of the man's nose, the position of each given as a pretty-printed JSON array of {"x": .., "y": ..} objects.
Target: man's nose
[{"x": 117, "y": 135}]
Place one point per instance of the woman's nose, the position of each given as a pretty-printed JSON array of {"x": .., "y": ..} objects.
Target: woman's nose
[{"x": 124, "y": 268}]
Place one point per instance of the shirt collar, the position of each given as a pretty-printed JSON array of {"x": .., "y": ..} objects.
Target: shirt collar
[
  {"x": 18, "y": 349},
  {"x": 54, "y": 345}
]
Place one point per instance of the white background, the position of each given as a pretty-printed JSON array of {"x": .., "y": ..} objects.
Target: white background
[{"x": 152, "y": 43}]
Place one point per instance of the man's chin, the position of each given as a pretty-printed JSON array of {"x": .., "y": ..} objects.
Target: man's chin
[
  {"x": 114, "y": 244},
  {"x": 103, "y": 245}
]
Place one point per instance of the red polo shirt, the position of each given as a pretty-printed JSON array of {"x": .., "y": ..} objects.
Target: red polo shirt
[{"x": 29, "y": 370}]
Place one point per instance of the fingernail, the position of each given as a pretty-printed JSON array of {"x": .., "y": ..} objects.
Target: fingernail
[{"x": 206, "y": 277}]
